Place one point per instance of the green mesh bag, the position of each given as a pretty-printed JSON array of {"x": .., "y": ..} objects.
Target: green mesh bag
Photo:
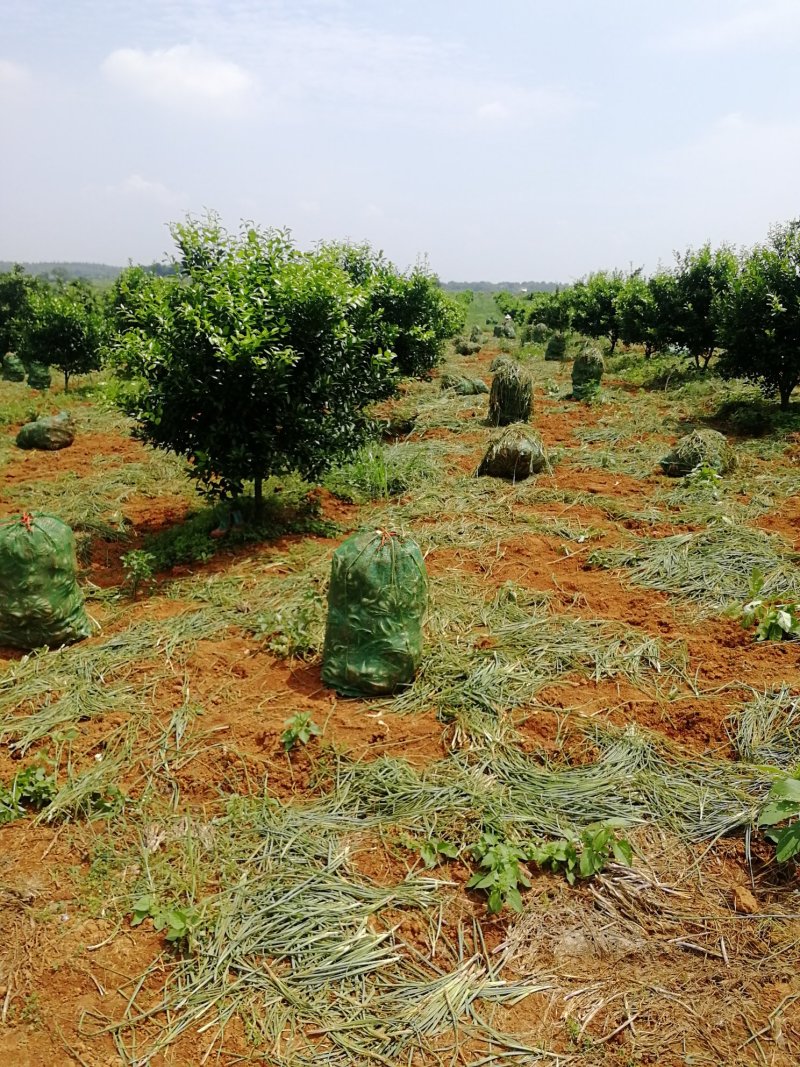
[
  {"x": 13, "y": 368},
  {"x": 39, "y": 376},
  {"x": 40, "y": 601},
  {"x": 377, "y": 601}
]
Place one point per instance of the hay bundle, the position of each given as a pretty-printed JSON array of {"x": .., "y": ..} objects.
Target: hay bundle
[
  {"x": 505, "y": 329},
  {"x": 13, "y": 369},
  {"x": 699, "y": 448},
  {"x": 516, "y": 453},
  {"x": 511, "y": 396},
  {"x": 534, "y": 332},
  {"x": 587, "y": 373},
  {"x": 556, "y": 351},
  {"x": 463, "y": 386},
  {"x": 39, "y": 376},
  {"x": 467, "y": 348},
  {"x": 499, "y": 361},
  {"x": 476, "y": 335}
]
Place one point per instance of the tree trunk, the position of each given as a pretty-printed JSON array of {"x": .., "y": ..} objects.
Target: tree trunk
[
  {"x": 707, "y": 358},
  {"x": 613, "y": 338},
  {"x": 785, "y": 389},
  {"x": 66, "y": 381}
]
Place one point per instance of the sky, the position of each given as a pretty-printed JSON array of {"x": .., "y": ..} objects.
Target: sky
[{"x": 516, "y": 140}]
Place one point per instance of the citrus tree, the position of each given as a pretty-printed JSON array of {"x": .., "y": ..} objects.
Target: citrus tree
[
  {"x": 253, "y": 360},
  {"x": 761, "y": 315},
  {"x": 16, "y": 290},
  {"x": 594, "y": 306},
  {"x": 646, "y": 311},
  {"x": 407, "y": 314},
  {"x": 703, "y": 280},
  {"x": 63, "y": 328}
]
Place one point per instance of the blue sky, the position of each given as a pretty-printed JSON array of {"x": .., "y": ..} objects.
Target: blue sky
[{"x": 524, "y": 139}]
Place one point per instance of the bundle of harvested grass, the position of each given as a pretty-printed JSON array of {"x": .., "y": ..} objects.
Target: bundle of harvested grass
[
  {"x": 534, "y": 332},
  {"x": 556, "y": 351},
  {"x": 462, "y": 386},
  {"x": 467, "y": 348},
  {"x": 476, "y": 334},
  {"x": 587, "y": 372},
  {"x": 511, "y": 397},
  {"x": 699, "y": 448},
  {"x": 516, "y": 453}
]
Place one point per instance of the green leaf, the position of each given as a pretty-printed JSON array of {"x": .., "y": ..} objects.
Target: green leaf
[
  {"x": 788, "y": 844},
  {"x": 623, "y": 853},
  {"x": 777, "y": 812}
]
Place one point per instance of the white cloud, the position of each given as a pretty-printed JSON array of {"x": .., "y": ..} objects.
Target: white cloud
[
  {"x": 493, "y": 112},
  {"x": 313, "y": 61},
  {"x": 12, "y": 75},
  {"x": 184, "y": 76},
  {"x": 729, "y": 184},
  {"x": 767, "y": 21},
  {"x": 135, "y": 186}
]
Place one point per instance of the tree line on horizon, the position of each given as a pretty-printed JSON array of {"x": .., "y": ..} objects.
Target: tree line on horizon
[{"x": 741, "y": 307}]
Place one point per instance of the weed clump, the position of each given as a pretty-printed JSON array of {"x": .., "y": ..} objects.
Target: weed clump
[
  {"x": 511, "y": 396},
  {"x": 515, "y": 454},
  {"x": 707, "y": 448}
]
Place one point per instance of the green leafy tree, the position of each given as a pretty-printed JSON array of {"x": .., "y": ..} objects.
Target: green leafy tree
[
  {"x": 646, "y": 311},
  {"x": 594, "y": 301},
  {"x": 511, "y": 305},
  {"x": 761, "y": 316},
  {"x": 554, "y": 309},
  {"x": 408, "y": 315},
  {"x": 253, "y": 362},
  {"x": 63, "y": 329},
  {"x": 703, "y": 280},
  {"x": 16, "y": 291}
]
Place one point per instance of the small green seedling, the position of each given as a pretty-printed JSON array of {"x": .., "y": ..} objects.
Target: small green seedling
[
  {"x": 783, "y": 806},
  {"x": 30, "y": 789},
  {"x": 704, "y": 477},
  {"x": 500, "y": 875},
  {"x": 435, "y": 849},
  {"x": 138, "y": 567},
  {"x": 299, "y": 730},
  {"x": 583, "y": 856},
  {"x": 178, "y": 922},
  {"x": 774, "y": 619}
]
